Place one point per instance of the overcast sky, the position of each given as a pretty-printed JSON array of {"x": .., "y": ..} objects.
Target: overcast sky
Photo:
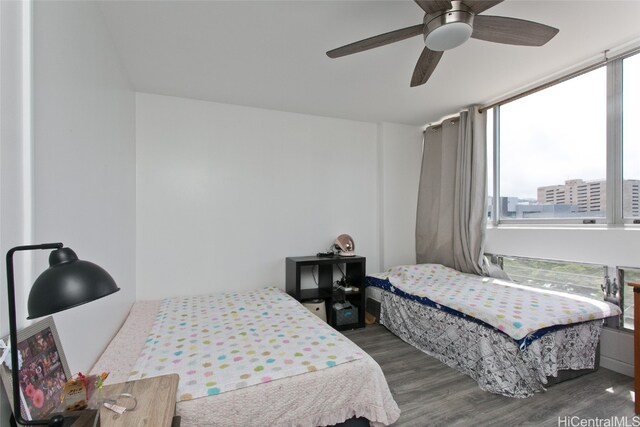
[{"x": 560, "y": 133}]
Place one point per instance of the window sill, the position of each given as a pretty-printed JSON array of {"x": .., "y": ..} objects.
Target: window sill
[{"x": 556, "y": 226}]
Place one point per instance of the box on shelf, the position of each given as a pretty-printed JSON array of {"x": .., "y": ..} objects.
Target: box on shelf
[
  {"x": 316, "y": 306},
  {"x": 345, "y": 314}
]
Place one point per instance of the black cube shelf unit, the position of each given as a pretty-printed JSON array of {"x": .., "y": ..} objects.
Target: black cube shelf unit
[{"x": 354, "y": 271}]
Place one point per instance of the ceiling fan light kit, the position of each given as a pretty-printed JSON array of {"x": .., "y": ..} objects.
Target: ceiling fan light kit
[
  {"x": 448, "y": 29},
  {"x": 447, "y": 25}
]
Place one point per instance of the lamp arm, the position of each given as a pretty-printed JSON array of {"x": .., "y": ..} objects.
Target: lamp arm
[{"x": 13, "y": 336}]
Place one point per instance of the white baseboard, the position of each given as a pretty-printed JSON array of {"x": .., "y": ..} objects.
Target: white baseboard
[{"x": 616, "y": 365}]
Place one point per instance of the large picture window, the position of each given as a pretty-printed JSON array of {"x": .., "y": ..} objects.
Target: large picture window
[
  {"x": 556, "y": 153},
  {"x": 553, "y": 151}
]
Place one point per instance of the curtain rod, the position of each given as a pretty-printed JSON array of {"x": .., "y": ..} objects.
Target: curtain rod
[{"x": 571, "y": 75}]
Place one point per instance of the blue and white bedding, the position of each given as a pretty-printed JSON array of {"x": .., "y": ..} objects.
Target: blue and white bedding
[
  {"x": 521, "y": 312},
  {"x": 463, "y": 321}
]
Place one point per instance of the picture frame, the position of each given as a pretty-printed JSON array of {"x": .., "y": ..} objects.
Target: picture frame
[{"x": 43, "y": 370}]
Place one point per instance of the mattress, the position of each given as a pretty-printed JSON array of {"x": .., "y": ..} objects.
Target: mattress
[
  {"x": 374, "y": 292},
  {"x": 328, "y": 396}
]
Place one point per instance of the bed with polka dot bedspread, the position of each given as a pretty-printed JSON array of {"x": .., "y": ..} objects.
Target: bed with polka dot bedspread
[
  {"x": 219, "y": 343},
  {"x": 517, "y": 310}
]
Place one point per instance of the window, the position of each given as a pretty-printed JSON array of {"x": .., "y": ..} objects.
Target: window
[
  {"x": 547, "y": 154},
  {"x": 555, "y": 161},
  {"x": 570, "y": 277},
  {"x": 589, "y": 280}
]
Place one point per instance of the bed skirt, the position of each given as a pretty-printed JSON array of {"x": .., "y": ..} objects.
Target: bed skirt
[{"x": 490, "y": 357}]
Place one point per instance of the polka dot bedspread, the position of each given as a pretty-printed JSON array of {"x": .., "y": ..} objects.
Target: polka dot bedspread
[
  {"x": 220, "y": 343},
  {"x": 514, "y": 309}
]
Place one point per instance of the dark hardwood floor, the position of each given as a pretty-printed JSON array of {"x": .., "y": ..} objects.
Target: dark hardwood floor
[{"x": 430, "y": 393}]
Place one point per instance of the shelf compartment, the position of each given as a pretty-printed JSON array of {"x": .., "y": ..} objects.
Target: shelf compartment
[{"x": 317, "y": 293}]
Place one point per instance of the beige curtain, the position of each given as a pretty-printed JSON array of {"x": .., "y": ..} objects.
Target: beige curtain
[{"x": 452, "y": 196}]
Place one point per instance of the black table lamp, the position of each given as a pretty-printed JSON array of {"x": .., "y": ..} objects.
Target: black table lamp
[{"x": 67, "y": 283}]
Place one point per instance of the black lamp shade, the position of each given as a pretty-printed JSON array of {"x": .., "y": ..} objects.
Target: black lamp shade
[{"x": 68, "y": 282}]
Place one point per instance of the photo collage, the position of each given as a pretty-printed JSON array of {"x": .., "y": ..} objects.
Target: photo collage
[{"x": 42, "y": 375}]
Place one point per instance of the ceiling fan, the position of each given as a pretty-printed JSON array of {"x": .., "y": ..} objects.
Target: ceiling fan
[{"x": 448, "y": 24}]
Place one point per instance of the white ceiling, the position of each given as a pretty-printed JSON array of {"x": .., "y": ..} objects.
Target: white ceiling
[{"x": 271, "y": 54}]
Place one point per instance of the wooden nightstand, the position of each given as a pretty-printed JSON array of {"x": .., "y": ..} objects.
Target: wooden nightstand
[{"x": 156, "y": 403}]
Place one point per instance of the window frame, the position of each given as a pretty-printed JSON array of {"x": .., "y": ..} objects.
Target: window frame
[
  {"x": 614, "y": 160},
  {"x": 620, "y": 120}
]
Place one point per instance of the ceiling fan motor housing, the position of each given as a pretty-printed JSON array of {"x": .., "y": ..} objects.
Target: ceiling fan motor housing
[{"x": 449, "y": 28}]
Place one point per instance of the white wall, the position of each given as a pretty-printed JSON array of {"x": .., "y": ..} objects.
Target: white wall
[
  {"x": 84, "y": 164},
  {"x": 225, "y": 193},
  {"x": 67, "y": 161},
  {"x": 14, "y": 189},
  {"x": 615, "y": 246},
  {"x": 400, "y": 160}
]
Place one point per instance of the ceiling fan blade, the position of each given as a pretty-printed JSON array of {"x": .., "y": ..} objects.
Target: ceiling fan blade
[
  {"x": 424, "y": 68},
  {"x": 431, "y": 6},
  {"x": 376, "y": 41},
  {"x": 499, "y": 29},
  {"x": 479, "y": 6}
]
